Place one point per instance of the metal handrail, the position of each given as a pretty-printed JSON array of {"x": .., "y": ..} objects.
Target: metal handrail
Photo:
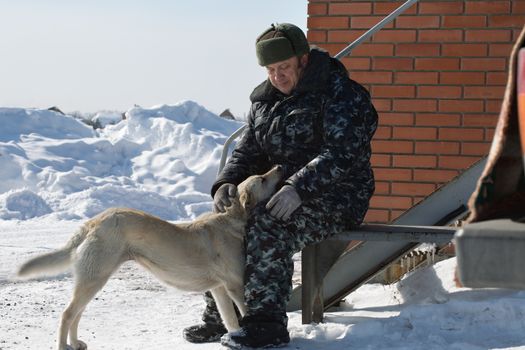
[
  {"x": 343, "y": 53},
  {"x": 226, "y": 146},
  {"x": 347, "y": 50}
]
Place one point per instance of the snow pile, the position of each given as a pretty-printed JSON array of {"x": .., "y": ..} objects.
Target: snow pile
[
  {"x": 104, "y": 118},
  {"x": 22, "y": 204},
  {"x": 161, "y": 160}
]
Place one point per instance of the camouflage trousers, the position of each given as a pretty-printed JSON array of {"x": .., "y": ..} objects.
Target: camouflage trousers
[{"x": 269, "y": 246}]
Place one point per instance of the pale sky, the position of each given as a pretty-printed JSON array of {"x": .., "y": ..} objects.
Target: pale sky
[{"x": 111, "y": 54}]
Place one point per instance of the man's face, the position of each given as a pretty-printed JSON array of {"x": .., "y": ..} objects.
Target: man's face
[{"x": 284, "y": 75}]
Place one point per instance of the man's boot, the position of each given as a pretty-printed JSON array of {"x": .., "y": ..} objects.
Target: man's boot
[
  {"x": 212, "y": 329},
  {"x": 204, "y": 333},
  {"x": 257, "y": 332}
]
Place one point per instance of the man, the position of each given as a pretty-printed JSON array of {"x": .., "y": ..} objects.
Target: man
[{"x": 311, "y": 118}]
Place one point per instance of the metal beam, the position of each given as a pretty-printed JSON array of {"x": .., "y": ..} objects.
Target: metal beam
[{"x": 407, "y": 233}]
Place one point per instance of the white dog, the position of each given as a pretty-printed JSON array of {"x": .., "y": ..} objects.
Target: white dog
[{"x": 206, "y": 254}]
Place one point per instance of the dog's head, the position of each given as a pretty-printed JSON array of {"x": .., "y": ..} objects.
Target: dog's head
[{"x": 258, "y": 188}]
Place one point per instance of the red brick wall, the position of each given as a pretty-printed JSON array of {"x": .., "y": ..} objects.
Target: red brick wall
[{"x": 437, "y": 75}]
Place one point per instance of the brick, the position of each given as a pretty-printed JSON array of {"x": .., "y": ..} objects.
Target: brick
[
  {"x": 462, "y": 50},
  {"x": 475, "y": 148},
  {"x": 413, "y": 189},
  {"x": 333, "y": 49},
  {"x": 493, "y": 106},
  {"x": 456, "y": 162},
  {"x": 417, "y": 22},
  {"x": 396, "y": 118},
  {"x": 391, "y": 202},
  {"x": 497, "y": 78},
  {"x": 417, "y": 50},
  {"x": 437, "y": 64},
  {"x": 374, "y": 50},
  {"x": 351, "y": 9},
  {"x": 518, "y": 7},
  {"x": 317, "y": 9},
  {"x": 372, "y": 77},
  {"x": 489, "y": 134},
  {"x": 393, "y": 174},
  {"x": 416, "y": 78},
  {"x": 502, "y": 50},
  {"x": 394, "y": 214},
  {"x": 464, "y": 22},
  {"x": 385, "y": 8},
  {"x": 416, "y": 200},
  {"x": 367, "y": 22},
  {"x": 382, "y": 105},
  {"x": 382, "y": 187},
  {"x": 440, "y": 147},
  {"x": 484, "y": 64},
  {"x": 393, "y": 91},
  {"x": 487, "y": 7},
  {"x": 461, "y": 134},
  {"x": 463, "y": 78},
  {"x": 414, "y": 161},
  {"x": 484, "y": 91},
  {"x": 316, "y": 36},
  {"x": 345, "y": 36},
  {"x": 395, "y": 36},
  {"x": 482, "y": 120},
  {"x": 414, "y": 133},
  {"x": 437, "y": 119},
  {"x": 357, "y": 63},
  {"x": 383, "y": 132},
  {"x": 415, "y": 105},
  {"x": 515, "y": 35},
  {"x": 488, "y": 35},
  {"x": 391, "y": 146},
  {"x": 434, "y": 175},
  {"x": 392, "y": 63},
  {"x": 381, "y": 160},
  {"x": 327, "y": 22},
  {"x": 377, "y": 215},
  {"x": 507, "y": 21},
  {"x": 440, "y": 91},
  {"x": 440, "y": 7},
  {"x": 460, "y": 106},
  {"x": 440, "y": 36}
]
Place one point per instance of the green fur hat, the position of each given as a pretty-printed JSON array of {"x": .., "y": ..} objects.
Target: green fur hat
[{"x": 279, "y": 43}]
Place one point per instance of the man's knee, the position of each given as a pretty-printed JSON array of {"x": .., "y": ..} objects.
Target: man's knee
[{"x": 261, "y": 222}]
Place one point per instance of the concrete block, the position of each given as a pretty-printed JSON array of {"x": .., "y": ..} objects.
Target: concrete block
[{"x": 491, "y": 254}]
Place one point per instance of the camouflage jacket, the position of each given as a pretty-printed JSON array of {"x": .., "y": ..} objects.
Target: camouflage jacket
[{"x": 320, "y": 133}]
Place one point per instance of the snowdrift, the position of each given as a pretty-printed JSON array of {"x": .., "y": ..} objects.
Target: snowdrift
[{"x": 161, "y": 159}]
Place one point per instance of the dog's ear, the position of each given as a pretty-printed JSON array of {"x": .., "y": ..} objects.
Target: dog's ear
[{"x": 246, "y": 200}]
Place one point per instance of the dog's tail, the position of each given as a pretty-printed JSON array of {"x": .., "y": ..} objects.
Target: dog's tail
[{"x": 55, "y": 262}]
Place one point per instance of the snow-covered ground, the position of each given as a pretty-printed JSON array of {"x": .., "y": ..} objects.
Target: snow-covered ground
[{"x": 55, "y": 172}]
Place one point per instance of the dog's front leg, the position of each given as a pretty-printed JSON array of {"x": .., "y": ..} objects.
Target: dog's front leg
[{"x": 225, "y": 306}]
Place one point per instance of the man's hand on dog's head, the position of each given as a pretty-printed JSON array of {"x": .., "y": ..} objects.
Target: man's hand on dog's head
[
  {"x": 284, "y": 203},
  {"x": 223, "y": 197}
]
